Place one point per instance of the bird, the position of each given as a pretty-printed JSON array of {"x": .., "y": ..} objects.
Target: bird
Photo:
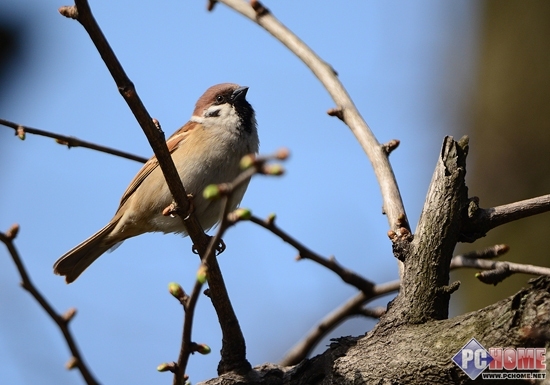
[{"x": 206, "y": 150}]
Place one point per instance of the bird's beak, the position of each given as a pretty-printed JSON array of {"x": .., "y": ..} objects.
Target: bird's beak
[{"x": 239, "y": 93}]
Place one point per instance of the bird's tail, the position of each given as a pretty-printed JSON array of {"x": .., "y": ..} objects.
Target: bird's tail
[{"x": 75, "y": 261}]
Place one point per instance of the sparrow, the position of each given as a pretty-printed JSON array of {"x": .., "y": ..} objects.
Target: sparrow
[{"x": 206, "y": 150}]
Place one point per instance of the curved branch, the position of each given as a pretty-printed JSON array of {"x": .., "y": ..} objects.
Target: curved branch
[
  {"x": 69, "y": 141},
  {"x": 62, "y": 321},
  {"x": 346, "y": 110}
]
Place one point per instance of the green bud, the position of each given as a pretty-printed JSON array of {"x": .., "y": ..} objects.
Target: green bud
[
  {"x": 203, "y": 348},
  {"x": 211, "y": 191},
  {"x": 21, "y": 133},
  {"x": 282, "y": 154},
  {"x": 242, "y": 214},
  {"x": 176, "y": 290},
  {"x": 201, "y": 274},
  {"x": 274, "y": 169},
  {"x": 247, "y": 161},
  {"x": 165, "y": 367}
]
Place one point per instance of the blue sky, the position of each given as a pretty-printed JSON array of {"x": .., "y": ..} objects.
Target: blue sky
[{"x": 408, "y": 66}]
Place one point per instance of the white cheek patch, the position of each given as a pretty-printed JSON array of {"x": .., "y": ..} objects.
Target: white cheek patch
[
  {"x": 223, "y": 116},
  {"x": 212, "y": 112}
]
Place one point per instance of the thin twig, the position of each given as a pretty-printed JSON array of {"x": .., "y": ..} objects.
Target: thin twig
[
  {"x": 233, "y": 354},
  {"x": 347, "y": 275},
  {"x": 483, "y": 264},
  {"x": 378, "y": 154},
  {"x": 62, "y": 321},
  {"x": 69, "y": 141}
]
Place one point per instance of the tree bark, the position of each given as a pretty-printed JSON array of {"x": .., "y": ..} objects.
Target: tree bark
[{"x": 414, "y": 342}]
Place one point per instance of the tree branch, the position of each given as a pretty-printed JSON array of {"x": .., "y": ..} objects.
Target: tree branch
[
  {"x": 482, "y": 220},
  {"x": 411, "y": 353},
  {"x": 82, "y": 13},
  {"x": 346, "y": 110},
  {"x": 62, "y": 321},
  {"x": 425, "y": 293},
  {"x": 463, "y": 261},
  {"x": 233, "y": 353},
  {"x": 69, "y": 141},
  {"x": 352, "y": 307}
]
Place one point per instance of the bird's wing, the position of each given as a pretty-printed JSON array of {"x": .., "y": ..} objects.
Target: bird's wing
[{"x": 173, "y": 142}]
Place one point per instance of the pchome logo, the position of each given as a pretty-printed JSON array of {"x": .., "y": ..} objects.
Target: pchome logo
[{"x": 473, "y": 358}]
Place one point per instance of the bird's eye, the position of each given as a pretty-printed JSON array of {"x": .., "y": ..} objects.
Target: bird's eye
[{"x": 220, "y": 98}]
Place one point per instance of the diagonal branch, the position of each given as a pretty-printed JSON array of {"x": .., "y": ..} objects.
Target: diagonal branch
[
  {"x": 82, "y": 13},
  {"x": 69, "y": 141},
  {"x": 62, "y": 321},
  {"x": 346, "y": 110}
]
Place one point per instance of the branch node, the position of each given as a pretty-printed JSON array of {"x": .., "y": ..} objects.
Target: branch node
[
  {"x": 157, "y": 124},
  {"x": 20, "y": 132},
  {"x": 282, "y": 153},
  {"x": 178, "y": 293},
  {"x": 450, "y": 289},
  {"x": 259, "y": 8},
  {"x": 72, "y": 363},
  {"x": 272, "y": 169},
  {"x": 169, "y": 367},
  {"x": 69, "y": 315},
  {"x": 270, "y": 221},
  {"x": 200, "y": 348},
  {"x": 338, "y": 112},
  {"x": 473, "y": 207},
  {"x": 495, "y": 276},
  {"x": 402, "y": 223},
  {"x": 12, "y": 232},
  {"x": 240, "y": 214},
  {"x": 69, "y": 11},
  {"x": 390, "y": 146},
  {"x": 202, "y": 274},
  {"x": 63, "y": 143},
  {"x": 210, "y": 4}
]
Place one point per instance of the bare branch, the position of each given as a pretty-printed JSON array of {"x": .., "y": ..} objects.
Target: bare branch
[
  {"x": 425, "y": 291},
  {"x": 233, "y": 353},
  {"x": 62, "y": 320},
  {"x": 464, "y": 261},
  {"x": 83, "y": 14},
  {"x": 69, "y": 141},
  {"x": 350, "y": 308},
  {"x": 347, "y": 275},
  {"x": 483, "y": 220},
  {"x": 488, "y": 253},
  {"x": 346, "y": 110}
]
